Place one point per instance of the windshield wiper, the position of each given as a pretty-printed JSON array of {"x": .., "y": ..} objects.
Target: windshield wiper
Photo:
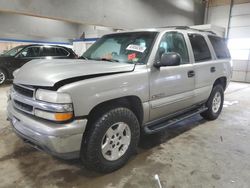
[
  {"x": 83, "y": 57},
  {"x": 110, "y": 60}
]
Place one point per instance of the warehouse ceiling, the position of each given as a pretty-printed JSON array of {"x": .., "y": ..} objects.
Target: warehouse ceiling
[{"x": 116, "y": 14}]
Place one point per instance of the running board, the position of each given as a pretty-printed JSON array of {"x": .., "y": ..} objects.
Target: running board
[{"x": 153, "y": 128}]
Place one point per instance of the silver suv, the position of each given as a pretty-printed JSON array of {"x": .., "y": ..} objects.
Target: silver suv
[{"x": 127, "y": 83}]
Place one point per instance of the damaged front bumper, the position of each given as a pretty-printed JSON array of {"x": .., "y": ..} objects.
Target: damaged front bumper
[{"x": 61, "y": 140}]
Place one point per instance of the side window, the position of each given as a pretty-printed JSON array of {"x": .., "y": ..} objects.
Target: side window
[
  {"x": 61, "y": 52},
  {"x": 49, "y": 51},
  {"x": 30, "y": 52},
  {"x": 174, "y": 42},
  {"x": 220, "y": 47},
  {"x": 200, "y": 48}
]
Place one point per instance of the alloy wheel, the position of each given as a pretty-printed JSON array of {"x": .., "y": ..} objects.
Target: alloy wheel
[
  {"x": 2, "y": 77},
  {"x": 116, "y": 141},
  {"x": 216, "y": 102}
]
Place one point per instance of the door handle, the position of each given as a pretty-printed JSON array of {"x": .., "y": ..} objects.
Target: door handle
[
  {"x": 191, "y": 73},
  {"x": 212, "y": 69}
]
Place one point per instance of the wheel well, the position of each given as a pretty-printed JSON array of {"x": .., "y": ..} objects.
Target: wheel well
[
  {"x": 222, "y": 81},
  {"x": 131, "y": 102}
]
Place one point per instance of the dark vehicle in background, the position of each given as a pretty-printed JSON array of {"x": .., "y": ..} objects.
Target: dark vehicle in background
[{"x": 18, "y": 56}]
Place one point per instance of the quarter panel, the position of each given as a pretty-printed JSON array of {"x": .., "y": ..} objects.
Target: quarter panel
[{"x": 205, "y": 78}]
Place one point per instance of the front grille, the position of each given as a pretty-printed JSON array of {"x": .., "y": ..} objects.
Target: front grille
[
  {"x": 24, "y": 107},
  {"x": 25, "y": 91},
  {"x": 22, "y": 97}
]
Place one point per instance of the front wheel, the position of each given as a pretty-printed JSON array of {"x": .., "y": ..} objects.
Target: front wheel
[
  {"x": 111, "y": 140},
  {"x": 3, "y": 76},
  {"x": 214, "y": 103}
]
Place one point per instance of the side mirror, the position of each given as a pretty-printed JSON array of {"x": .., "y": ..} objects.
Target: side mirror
[{"x": 169, "y": 59}]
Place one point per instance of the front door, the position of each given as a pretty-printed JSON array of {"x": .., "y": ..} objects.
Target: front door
[
  {"x": 171, "y": 88},
  {"x": 27, "y": 55}
]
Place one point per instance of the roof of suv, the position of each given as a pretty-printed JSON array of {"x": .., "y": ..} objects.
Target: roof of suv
[
  {"x": 172, "y": 28},
  {"x": 33, "y": 45}
]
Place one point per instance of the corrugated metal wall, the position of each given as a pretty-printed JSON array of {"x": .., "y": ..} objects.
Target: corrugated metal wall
[
  {"x": 239, "y": 41},
  {"x": 218, "y": 13}
]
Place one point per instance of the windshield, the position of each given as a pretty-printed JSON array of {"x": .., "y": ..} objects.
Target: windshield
[
  {"x": 131, "y": 47},
  {"x": 13, "y": 51}
]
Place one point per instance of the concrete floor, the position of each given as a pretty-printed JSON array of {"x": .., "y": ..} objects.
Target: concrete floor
[{"x": 194, "y": 153}]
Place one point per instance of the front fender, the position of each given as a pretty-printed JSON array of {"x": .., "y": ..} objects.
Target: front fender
[
  {"x": 9, "y": 74},
  {"x": 87, "y": 94}
]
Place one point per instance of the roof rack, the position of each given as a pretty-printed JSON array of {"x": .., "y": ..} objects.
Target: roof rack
[{"x": 189, "y": 28}]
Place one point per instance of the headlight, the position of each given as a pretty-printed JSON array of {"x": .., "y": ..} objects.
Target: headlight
[
  {"x": 53, "y": 116},
  {"x": 15, "y": 72},
  {"x": 58, "y": 106},
  {"x": 52, "y": 96}
]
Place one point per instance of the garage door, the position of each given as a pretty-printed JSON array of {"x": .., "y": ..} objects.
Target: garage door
[{"x": 239, "y": 41}]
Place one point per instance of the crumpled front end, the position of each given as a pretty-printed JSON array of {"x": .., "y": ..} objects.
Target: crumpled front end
[{"x": 62, "y": 139}]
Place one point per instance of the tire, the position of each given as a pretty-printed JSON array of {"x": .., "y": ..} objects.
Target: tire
[
  {"x": 98, "y": 153},
  {"x": 3, "y": 76},
  {"x": 214, "y": 103}
]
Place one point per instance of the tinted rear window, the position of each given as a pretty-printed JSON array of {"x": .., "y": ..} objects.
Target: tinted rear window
[
  {"x": 49, "y": 51},
  {"x": 200, "y": 47},
  {"x": 61, "y": 52},
  {"x": 220, "y": 47}
]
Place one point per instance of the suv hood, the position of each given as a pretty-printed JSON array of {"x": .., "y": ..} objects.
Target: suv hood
[{"x": 49, "y": 72}]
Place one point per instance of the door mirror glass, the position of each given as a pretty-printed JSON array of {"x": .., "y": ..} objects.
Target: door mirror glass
[{"x": 169, "y": 59}]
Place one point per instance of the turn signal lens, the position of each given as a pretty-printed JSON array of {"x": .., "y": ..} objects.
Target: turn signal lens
[
  {"x": 53, "y": 116},
  {"x": 63, "y": 116}
]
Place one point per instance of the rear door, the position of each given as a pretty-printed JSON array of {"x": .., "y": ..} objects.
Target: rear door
[
  {"x": 171, "y": 88},
  {"x": 51, "y": 52},
  {"x": 48, "y": 52},
  {"x": 205, "y": 66}
]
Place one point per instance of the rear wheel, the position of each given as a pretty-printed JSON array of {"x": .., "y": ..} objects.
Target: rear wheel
[
  {"x": 3, "y": 76},
  {"x": 111, "y": 140},
  {"x": 214, "y": 103}
]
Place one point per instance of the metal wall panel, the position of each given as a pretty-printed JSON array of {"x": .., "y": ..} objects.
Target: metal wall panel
[
  {"x": 240, "y": 21},
  {"x": 241, "y": 9},
  {"x": 239, "y": 76},
  {"x": 240, "y": 65},
  {"x": 248, "y": 77},
  {"x": 217, "y": 15},
  {"x": 239, "y": 37},
  {"x": 239, "y": 32},
  {"x": 240, "y": 54}
]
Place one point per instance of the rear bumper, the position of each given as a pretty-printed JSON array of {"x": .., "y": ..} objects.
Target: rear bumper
[{"x": 61, "y": 140}]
